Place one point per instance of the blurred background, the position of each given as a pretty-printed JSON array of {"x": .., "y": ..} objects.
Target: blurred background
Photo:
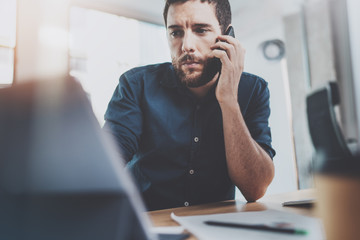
[{"x": 295, "y": 45}]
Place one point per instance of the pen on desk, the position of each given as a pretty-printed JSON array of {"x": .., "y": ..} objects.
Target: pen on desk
[{"x": 257, "y": 227}]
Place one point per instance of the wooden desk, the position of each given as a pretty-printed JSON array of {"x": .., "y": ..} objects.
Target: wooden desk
[{"x": 162, "y": 217}]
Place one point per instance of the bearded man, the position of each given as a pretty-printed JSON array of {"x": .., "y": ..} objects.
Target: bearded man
[{"x": 193, "y": 129}]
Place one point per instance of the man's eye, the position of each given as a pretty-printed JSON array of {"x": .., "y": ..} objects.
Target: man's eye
[
  {"x": 201, "y": 30},
  {"x": 176, "y": 33}
]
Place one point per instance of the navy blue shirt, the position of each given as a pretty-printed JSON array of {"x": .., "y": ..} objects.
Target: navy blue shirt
[{"x": 173, "y": 142}]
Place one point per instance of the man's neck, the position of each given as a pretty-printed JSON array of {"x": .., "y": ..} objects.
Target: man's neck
[{"x": 202, "y": 91}]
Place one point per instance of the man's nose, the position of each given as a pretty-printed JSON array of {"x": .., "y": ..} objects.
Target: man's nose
[{"x": 188, "y": 44}]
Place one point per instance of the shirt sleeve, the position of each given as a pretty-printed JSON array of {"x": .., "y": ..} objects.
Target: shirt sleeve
[
  {"x": 257, "y": 116},
  {"x": 123, "y": 117}
]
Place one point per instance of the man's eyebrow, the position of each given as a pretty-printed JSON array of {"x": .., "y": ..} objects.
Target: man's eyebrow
[
  {"x": 201, "y": 25},
  {"x": 173, "y": 26}
]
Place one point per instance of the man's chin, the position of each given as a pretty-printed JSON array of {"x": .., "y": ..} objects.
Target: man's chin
[
  {"x": 192, "y": 78},
  {"x": 194, "y": 82},
  {"x": 190, "y": 82}
]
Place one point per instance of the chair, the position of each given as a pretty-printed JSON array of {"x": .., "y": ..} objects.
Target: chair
[{"x": 325, "y": 132}]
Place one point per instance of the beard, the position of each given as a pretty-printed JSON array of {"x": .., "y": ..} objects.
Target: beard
[{"x": 210, "y": 69}]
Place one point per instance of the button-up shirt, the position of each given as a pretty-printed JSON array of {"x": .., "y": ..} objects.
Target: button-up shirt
[{"x": 173, "y": 142}]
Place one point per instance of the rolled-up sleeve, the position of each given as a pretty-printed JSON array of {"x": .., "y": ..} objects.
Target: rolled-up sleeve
[
  {"x": 257, "y": 116},
  {"x": 123, "y": 117}
]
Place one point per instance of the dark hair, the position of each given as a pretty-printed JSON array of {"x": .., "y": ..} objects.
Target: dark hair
[{"x": 222, "y": 11}]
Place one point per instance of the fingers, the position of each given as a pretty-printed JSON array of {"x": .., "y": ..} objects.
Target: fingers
[
  {"x": 222, "y": 55},
  {"x": 229, "y": 49},
  {"x": 224, "y": 46},
  {"x": 231, "y": 41},
  {"x": 227, "y": 38}
]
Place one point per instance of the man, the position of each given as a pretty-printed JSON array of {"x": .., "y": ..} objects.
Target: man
[{"x": 189, "y": 137}]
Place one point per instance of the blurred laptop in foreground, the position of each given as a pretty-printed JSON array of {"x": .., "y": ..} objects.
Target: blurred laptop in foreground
[{"x": 59, "y": 175}]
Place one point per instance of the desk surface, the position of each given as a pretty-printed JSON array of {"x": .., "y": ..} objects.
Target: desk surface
[{"x": 162, "y": 217}]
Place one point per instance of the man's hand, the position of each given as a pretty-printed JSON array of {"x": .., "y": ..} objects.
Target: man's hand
[{"x": 231, "y": 54}]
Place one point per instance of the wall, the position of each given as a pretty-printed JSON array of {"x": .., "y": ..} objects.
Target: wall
[
  {"x": 275, "y": 74},
  {"x": 324, "y": 40},
  {"x": 354, "y": 20},
  {"x": 299, "y": 82}
]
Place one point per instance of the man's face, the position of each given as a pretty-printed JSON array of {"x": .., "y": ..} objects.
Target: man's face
[{"x": 192, "y": 29}]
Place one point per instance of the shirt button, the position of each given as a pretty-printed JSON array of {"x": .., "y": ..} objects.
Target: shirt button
[
  {"x": 196, "y": 139},
  {"x": 191, "y": 171},
  {"x": 186, "y": 204},
  {"x": 197, "y": 107}
]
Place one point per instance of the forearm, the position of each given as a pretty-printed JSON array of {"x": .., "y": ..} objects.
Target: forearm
[{"x": 250, "y": 167}]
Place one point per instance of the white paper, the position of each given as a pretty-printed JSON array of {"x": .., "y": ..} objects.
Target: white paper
[
  {"x": 196, "y": 225},
  {"x": 167, "y": 230}
]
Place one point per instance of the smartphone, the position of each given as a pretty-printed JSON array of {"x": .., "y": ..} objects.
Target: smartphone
[
  {"x": 215, "y": 64},
  {"x": 230, "y": 31}
]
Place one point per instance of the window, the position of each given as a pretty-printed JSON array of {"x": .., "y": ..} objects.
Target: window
[
  {"x": 103, "y": 46},
  {"x": 7, "y": 40}
]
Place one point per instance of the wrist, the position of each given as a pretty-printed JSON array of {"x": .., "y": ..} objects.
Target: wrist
[
  {"x": 226, "y": 97},
  {"x": 228, "y": 103}
]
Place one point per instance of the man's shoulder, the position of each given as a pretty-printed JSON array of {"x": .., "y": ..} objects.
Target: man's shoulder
[
  {"x": 253, "y": 80},
  {"x": 253, "y": 87}
]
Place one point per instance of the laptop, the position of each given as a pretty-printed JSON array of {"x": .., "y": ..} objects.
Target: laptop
[{"x": 60, "y": 177}]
